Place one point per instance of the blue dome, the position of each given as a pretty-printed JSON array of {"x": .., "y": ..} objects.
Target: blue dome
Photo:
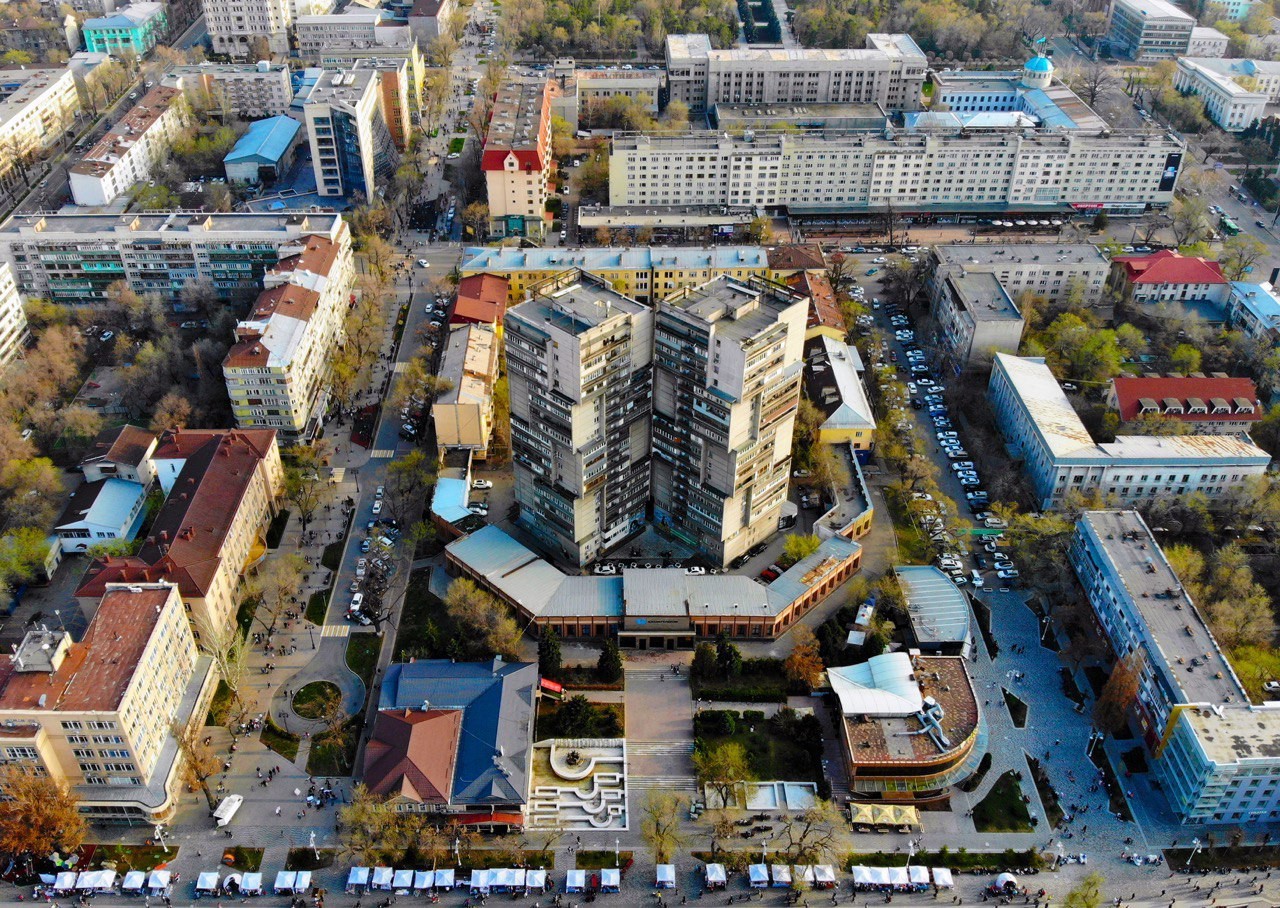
[{"x": 1039, "y": 64}]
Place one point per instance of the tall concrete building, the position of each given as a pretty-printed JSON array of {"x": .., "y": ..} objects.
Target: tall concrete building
[
  {"x": 249, "y": 90},
  {"x": 14, "y": 331},
  {"x": 235, "y": 26},
  {"x": 351, "y": 140},
  {"x": 517, "y": 159},
  {"x": 125, "y": 155},
  {"x": 1149, "y": 30},
  {"x": 726, "y": 387},
  {"x": 578, "y": 360},
  {"x": 37, "y": 105}
]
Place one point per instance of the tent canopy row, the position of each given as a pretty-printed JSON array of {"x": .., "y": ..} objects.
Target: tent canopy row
[
  {"x": 917, "y": 875},
  {"x": 884, "y": 815}
]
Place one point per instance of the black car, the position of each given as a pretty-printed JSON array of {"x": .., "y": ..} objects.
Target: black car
[{"x": 757, "y": 549}]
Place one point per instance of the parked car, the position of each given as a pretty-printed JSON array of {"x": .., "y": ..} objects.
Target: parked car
[{"x": 481, "y": 484}]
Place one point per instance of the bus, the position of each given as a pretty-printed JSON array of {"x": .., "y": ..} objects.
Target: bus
[{"x": 1228, "y": 226}]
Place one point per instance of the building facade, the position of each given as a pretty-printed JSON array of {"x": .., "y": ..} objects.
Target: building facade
[
  {"x": 924, "y": 171},
  {"x": 100, "y": 714},
  {"x": 726, "y": 388},
  {"x": 1058, "y": 455},
  {"x": 463, "y": 415},
  {"x": 976, "y": 318},
  {"x": 1168, "y": 277},
  {"x": 517, "y": 159},
  {"x": 249, "y": 90},
  {"x": 1148, "y": 30},
  {"x": 243, "y": 29},
  {"x": 277, "y": 372},
  {"x": 135, "y": 28},
  {"x": 1255, "y": 310},
  {"x": 14, "y": 330},
  {"x": 351, "y": 141},
  {"x": 1226, "y": 102},
  {"x": 1264, "y": 75},
  {"x": 578, "y": 361},
  {"x": 1207, "y": 42},
  {"x": 125, "y": 156},
  {"x": 1212, "y": 405},
  {"x": 72, "y": 259},
  {"x": 1055, "y": 271},
  {"x": 37, "y": 106},
  {"x": 1212, "y": 749}
]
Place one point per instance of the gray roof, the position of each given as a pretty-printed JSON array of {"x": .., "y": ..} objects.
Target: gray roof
[
  {"x": 586, "y": 597},
  {"x": 511, "y": 567},
  {"x": 939, "y": 610},
  {"x": 497, "y": 700},
  {"x": 808, "y": 572}
]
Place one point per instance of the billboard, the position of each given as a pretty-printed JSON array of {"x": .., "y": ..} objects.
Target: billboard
[{"x": 1172, "y": 164}]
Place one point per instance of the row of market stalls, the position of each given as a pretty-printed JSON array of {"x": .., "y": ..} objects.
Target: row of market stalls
[
  {"x": 291, "y": 882},
  {"x": 511, "y": 879},
  {"x": 819, "y": 876},
  {"x": 901, "y": 879},
  {"x": 136, "y": 882}
]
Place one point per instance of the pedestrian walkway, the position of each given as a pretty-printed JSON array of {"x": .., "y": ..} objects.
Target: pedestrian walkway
[{"x": 659, "y": 718}]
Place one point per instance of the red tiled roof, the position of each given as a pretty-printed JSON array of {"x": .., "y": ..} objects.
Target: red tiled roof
[
  {"x": 482, "y": 299},
  {"x": 95, "y": 673},
  {"x": 824, "y": 310},
  {"x": 1130, "y": 392},
  {"x": 527, "y": 159},
  {"x": 125, "y": 445},
  {"x": 796, "y": 257},
  {"x": 412, "y": 754},
  {"x": 1166, "y": 267}
]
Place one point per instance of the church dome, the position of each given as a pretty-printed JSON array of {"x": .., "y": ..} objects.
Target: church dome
[{"x": 1039, "y": 64}]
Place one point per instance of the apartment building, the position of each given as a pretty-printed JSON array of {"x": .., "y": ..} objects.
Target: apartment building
[
  {"x": 1226, "y": 102},
  {"x": 1212, "y": 404},
  {"x": 14, "y": 331},
  {"x": 430, "y": 18},
  {"x": 125, "y": 155},
  {"x": 1255, "y": 310},
  {"x": 135, "y": 28},
  {"x": 889, "y": 71},
  {"x": 100, "y": 714},
  {"x": 1211, "y": 749},
  {"x": 249, "y": 90},
  {"x": 976, "y": 318},
  {"x": 645, "y": 273},
  {"x": 41, "y": 37},
  {"x": 1168, "y": 277},
  {"x": 1207, "y": 42},
  {"x": 463, "y": 415},
  {"x": 247, "y": 28},
  {"x": 72, "y": 259},
  {"x": 277, "y": 372},
  {"x": 1058, "y": 455},
  {"x": 726, "y": 387},
  {"x": 1055, "y": 271},
  {"x": 351, "y": 141},
  {"x": 37, "y": 106},
  {"x": 517, "y": 160},
  {"x": 341, "y": 40},
  {"x": 221, "y": 488},
  {"x": 1148, "y": 30},
  {"x": 392, "y": 77},
  {"x": 579, "y": 356},
  {"x": 923, "y": 171}
]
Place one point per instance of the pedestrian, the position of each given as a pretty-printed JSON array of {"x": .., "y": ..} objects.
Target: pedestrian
[{"x": 277, "y": 810}]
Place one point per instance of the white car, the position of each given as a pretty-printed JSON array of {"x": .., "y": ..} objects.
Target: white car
[
  {"x": 423, "y": 263},
  {"x": 377, "y": 508},
  {"x": 482, "y": 484},
  {"x": 379, "y": 492},
  {"x": 605, "y": 569}
]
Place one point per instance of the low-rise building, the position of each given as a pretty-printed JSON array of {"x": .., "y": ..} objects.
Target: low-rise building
[
  {"x": 463, "y": 415},
  {"x": 108, "y": 510},
  {"x": 249, "y": 90},
  {"x": 121, "y": 452},
  {"x": 101, "y": 714},
  {"x": 37, "y": 107},
  {"x": 14, "y": 330},
  {"x": 222, "y": 487},
  {"x": 1059, "y": 456},
  {"x": 351, "y": 140},
  {"x": 73, "y": 259},
  {"x": 277, "y": 372},
  {"x": 1168, "y": 277},
  {"x": 1213, "y": 405},
  {"x": 976, "y": 318},
  {"x": 135, "y": 28},
  {"x": 517, "y": 160},
  {"x": 941, "y": 620},
  {"x": 1255, "y": 310},
  {"x": 1210, "y": 747},
  {"x": 125, "y": 155},
  {"x": 39, "y": 37},
  {"x": 983, "y": 98},
  {"x": 836, "y": 387},
  {"x": 1226, "y": 102},
  {"x": 1056, "y": 271},
  {"x": 645, "y": 273},
  {"x": 252, "y": 28},
  {"x": 1207, "y": 42},
  {"x": 265, "y": 152},
  {"x": 430, "y": 18},
  {"x": 1149, "y": 30},
  {"x": 481, "y": 300},
  {"x": 1260, "y": 75}
]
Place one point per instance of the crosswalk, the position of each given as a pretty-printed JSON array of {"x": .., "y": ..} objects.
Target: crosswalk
[
  {"x": 335, "y": 630},
  {"x": 382, "y": 453}
]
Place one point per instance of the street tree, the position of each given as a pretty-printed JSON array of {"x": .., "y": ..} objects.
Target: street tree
[
  {"x": 1111, "y": 712},
  {"x": 172, "y": 411},
  {"x": 482, "y": 618},
  {"x": 804, "y": 666},
  {"x": 224, "y": 643},
  {"x": 379, "y": 257},
  {"x": 798, "y": 546},
  {"x": 660, "y": 824},
  {"x": 199, "y": 762},
  {"x": 609, "y": 665},
  {"x": 475, "y": 217},
  {"x": 277, "y": 583},
  {"x": 38, "y": 813},
  {"x": 407, "y": 480},
  {"x": 810, "y": 836},
  {"x": 368, "y": 823},
  {"x": 722, "y": 768},
  {"x": 1087, "y": 893},
  {"x": 549, "y": 659},
  {"x": 1190, "y": 220},
  {"x": 1239, "y": 254},
  {"x": 304, "y": 481}
]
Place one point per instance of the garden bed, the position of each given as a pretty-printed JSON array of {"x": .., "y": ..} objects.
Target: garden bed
[
  {"x": 962, "y": 859},
  {"x": 131, "y": 857},
  {"x": 330, "y": 758},
  {"x": 305, "y": 859},
  {"x": 1017, "y": 709},
  {"x": 1003, "y": 809},
  {"x": 307, "y": 702},
  {"x": 243, "y": 858},
  {"x": 279, "y": 740},
  {"x": 972, "y": 783},
  {"x": 362, "y": 656},
  {"x": 275, "y": 529},
  {"x": 760, "y": 681},
  {"x": 1115, "y": 794},
  {"x": 1048, "y": 794},
  {"x": 604, "y": 720},
  {"x": 1070, "y": 689},
  {"x": 785, "y": 748},
  {"x": 599, "y": 860},
  {"x": 1224, "y": 858}
]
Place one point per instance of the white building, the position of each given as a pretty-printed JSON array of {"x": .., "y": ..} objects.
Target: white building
[
  {"x": 1264, "y": 74},
  {"x": 1226, "y": 102},
  {"x": 37, "y": 106},
  {"x": 277, "y": 372},
  {"x": 1050, "y": 270},
  {"x": 14, "y": 332},
  {"x": 1149, "y": 30},
  {"x": 100, "y": 512},
  {"x": 351, "y": 142},
  {"x": 1213, "y": 751},
  {"x": 889, "y": 71},
  {"x": 125, "y": 155},
  {"x": 1207, "y": 42},
  {"x": 236, "y": 25},
  {"x": 517, "y": 160},
  {"x": 249, "y": 90},
  {"x": 1058, "y": 454},
  {"x": 924, "y": 171},
  {"x": 1255, "y": 310},
  {"x": 979, "y": 97}
]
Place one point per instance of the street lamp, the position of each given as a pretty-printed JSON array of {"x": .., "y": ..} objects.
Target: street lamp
[
  {"x": 1195, "y": 847},
  {"x": 312, "y": 634},
  {"x": 617, "y": 852},
  {"x": 314, "y": 850},
  {"x": 160, "y": 837}
]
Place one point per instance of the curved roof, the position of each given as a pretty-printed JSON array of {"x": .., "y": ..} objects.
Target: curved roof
[
  {"x": 1039, "y": 64},
  {"x": 884, "y": 685}
]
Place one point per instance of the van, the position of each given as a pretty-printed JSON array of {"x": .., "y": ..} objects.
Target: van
[{"x": 976, "y": 575}]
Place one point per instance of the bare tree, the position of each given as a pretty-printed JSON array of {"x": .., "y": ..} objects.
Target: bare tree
[
  {"x": 660, "y": 824},
  {"x": 199, "y": 762}
]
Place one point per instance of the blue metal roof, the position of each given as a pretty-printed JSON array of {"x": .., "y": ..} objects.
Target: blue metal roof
[
  {"x": 266, "y": 141},
  {"x": 1039, "y": 64}
]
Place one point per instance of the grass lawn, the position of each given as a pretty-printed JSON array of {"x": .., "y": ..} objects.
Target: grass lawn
[
  {"x": 244, "y": 614},
  {"x": 423, "y": 621},
  {"x": 529, "y": 857},
  {"x": 247, "y": 860},
  {"x": 607, "y": 720},
  {"x": 318, "y": 606},
  {"x": 972, "y": 783},
  {"x": 455, "y": 145},
  {"x": 734, "y": 861},
  {"x": 761, "y": 681},
  {"x": 275, "y": 529},
  {"x": 279, "y": 740},
  {"x": 583, "y": 677},
  {"x": 362, "y": 655},
  {"x": 328, "y": 758},
  {"x": 131, "y": 857},
  {"x": 332, "y": 556},
  {"x": 220, "y": 705},
  {"x": 308, "y": 701},
  {"x": 913, "y": 545},
  {"x": 305, "y": 859},
  {"x": 771, "y": 756},
  {"x": 1048, "y": 794},
  {"x": 598, "y": 860},
  {"x": 1003, "y": 809},
  {"x": 1017, "y": 710}
]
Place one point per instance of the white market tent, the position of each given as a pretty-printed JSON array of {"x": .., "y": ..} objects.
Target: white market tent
[
  {"x": 861, "y": 875},
  {"x": 919, "y": 875},
  {"x": 381, "y": 878},
  {"x": 610, "y": 879},
  {"x": 898, "y": 876},
  {"x": 65, "y": 881},
  {"x": 806, "y": 874},
  {"x": 575, "y": 881},
  {"x": 536, "y": 879},
  {"x": 285, "y": 880},
  {"x": 758, "y": 875},
  {"x": 444, "y": 879},
  {"x": 207, "y": 881},
  {"x": 501, "y": 876},
  {"x": 251, "y": 884},
  {"x": 133, "y": 881},
  {"x": 825, "y": 875},
  {"x": 159, "y": 881},
  {"x": 359, "y": 876},
  {"x": 879, "y": 876},
  {"x": 519, "y": 877},
  {"x": 942, "y": 878},
  {"x": 665, "y": 875},
  {"x": 1007, "y": 880},
  {"x": 481, "y": 880},
  {"x": 402, "y": 879},
  {"x": 716, "y": 874},
  {"x": 781, "y": 874},
  {"x": 424, "y": 879},
  {"x": 303, "y": 882}
]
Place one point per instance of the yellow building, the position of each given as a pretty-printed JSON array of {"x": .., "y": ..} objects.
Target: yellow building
[
  {"x": 100, "y": 714},
  {"x": 836, "y": 386},
  {"x": 463, "y": 415}
]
